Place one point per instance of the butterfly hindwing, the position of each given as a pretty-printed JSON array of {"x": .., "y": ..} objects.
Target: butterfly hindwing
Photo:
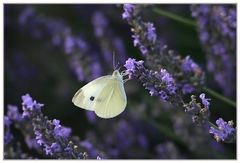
[{"x": 113, "y": 100}]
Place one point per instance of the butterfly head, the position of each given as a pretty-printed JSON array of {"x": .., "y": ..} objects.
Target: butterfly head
[{"x": 116, "y": 74}]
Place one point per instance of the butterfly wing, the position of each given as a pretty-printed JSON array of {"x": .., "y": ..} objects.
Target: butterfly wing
[
  {"x": 112, "y": 100},
  {"x": 86, "y": 96}
]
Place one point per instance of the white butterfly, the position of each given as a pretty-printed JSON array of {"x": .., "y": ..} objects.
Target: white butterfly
[{"x": 104, "y": 95}]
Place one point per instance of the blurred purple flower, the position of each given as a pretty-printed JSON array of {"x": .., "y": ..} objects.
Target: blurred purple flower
[
  {"x": 142, "y": 139},
  {"x": 7, "y": 121},
  {"x": 167, "y": 150},
  {"x": 99, "y": 22},
  {"x": 69, "y": 44},
  {"x": 128, "y": 11},
  {"x": 188, "y": 65},
  {"x": 8, "y": 137},
  {"x": 31, "y": 143},
  {"x": 60, "y": 131},
  {"x": 187, "y": 88},
  {"x": 60, "y": 35},
  {"x": 107, "y": 40},
  {"x": 151, "y": 32},
  {"x": 217, "y": 32},
  {"x": 54, "y": 148},
  {"x": 13, "y": 113},
  {"x": 91, "y": 116},
  {"x": 25, "y": 15}
]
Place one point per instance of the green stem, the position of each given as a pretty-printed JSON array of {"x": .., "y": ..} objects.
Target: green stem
[
  {"x": 220, "y": 97},
  {"x": 175, "y": 17}
]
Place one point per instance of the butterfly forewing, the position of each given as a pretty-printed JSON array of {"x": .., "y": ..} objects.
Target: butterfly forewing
[{"x": 86, "y": 96}]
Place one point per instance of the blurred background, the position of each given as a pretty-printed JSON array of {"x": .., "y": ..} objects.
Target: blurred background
[{"x": 50, "y": 51}]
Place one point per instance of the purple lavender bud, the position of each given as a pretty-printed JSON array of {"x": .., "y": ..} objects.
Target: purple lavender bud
[
  {"x": 136, "y": 40},
  {"x": 205, "y": 101},
  {"x": 13, "y": 113},
  {"x": 28, "y": 12},
  {"x": 29, "y": 103},
  {"x": 69, "y": 44},
  {"x": 163, "y": 95},
  {"x": 60, "y": 131},
  {"x": 151, "y": 32},
  {"x": 152, "y": 91},
  {"x": 128, "y": 11},
  {"x": 188, "y": 65},
  {"x": 54, "y": 148},
  {"x": 39, "y": 137},
  {"x": 91, "y": 116},
  {"x": 218, "y": 49},
  {"x": 99, "y": 22},
  {"x": 31, "y": 143},
  {"x": 143, "y": 49},
  {"x": 8, "y": 137},
  {"x": 86, "y": 144},
  {"x": 7, "y": 121},
  {"x": 187, "y": 88},
  {"x": 166, "y": 77},
  {"x": 142, "y": 139},
  {"x": 225, "y": 130},
  {"x": 130, "y": 65},
  {"x": 200, "y": 115},
  {"x": 204, "y": 36}
]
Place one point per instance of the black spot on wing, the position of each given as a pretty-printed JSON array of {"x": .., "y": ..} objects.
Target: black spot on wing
[{"x": 92, "y": 98}]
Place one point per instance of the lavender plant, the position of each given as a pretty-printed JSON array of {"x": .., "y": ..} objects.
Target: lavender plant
[
  {"x": 161, "y": 83},
  {"x": 50, "y": 138},
  {"x": 217, "y": 33},
  {"x": 185, "y": 71},
  {"x": 61, "y": 36}
]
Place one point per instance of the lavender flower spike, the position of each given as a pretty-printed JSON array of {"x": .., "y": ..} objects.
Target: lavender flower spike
[
  {"x": 187, "y": 74},
  {"x": 217, "y": 33},
  {"x": 49, "y": 134},
  {"x": 225, "y": 131},
  {"x": 158, "y": 83}
]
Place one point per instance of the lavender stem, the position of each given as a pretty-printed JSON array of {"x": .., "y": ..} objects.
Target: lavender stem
[
  {"x": 175, "y": 17},
  {"x": 220, "y": 97}
]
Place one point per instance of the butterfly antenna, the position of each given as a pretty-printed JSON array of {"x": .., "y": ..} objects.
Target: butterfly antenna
[
  {"x": 114, "y": 61},
  {"x": 118, "y": 66}
]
